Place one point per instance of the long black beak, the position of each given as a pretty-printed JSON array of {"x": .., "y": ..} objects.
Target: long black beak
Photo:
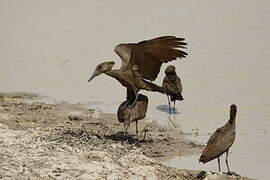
[{"x": 95, "y": 74}]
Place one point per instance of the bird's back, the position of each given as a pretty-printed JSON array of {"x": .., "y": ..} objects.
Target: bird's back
[
  {"x": 123, "y": 112},
  {"x": 140, "y": 108},
  {"x": 220, "y": 141},
  {"x": 138, "y": 111},
  {"x": 172, "y": 85}
]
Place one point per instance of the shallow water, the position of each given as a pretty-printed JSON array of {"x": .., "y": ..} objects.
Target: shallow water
[{"x": 53, "y": 47}]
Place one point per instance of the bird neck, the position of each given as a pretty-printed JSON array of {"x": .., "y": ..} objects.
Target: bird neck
[
  {"x": 170, "y": 73},
  {"x": 232, "y": 118},
  {"x": 110, "y": 73},
  {"x": 113, "y": 73}
]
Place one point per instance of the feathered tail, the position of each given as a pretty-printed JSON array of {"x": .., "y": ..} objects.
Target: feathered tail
[{"x": 175, "y": 97}]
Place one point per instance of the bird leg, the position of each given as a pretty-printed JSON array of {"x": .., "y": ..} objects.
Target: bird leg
[
  {"x": 124, "y": 134},
  {"x": 174, "y": 107},
  {"x": 126, "y": 126},
  {"x": 227, "y": 152},
  {"x": 169, "y": 104},
  {"x": 218, "y": 164},
  {"x": 144, "y": 135},
  {"x": 137, "y": 131}
]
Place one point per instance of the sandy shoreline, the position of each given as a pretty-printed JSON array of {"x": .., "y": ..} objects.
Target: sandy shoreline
[{"x": 67, "y": 141}]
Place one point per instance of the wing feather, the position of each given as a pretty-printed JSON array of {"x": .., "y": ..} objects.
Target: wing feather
[
  {"x": 220, "y": 141},
  {"x": 149, "y": 55},
  {"x": 124, "y": 52}
]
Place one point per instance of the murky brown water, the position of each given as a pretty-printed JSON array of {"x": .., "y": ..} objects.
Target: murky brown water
[{"x": 52, "y": 48}]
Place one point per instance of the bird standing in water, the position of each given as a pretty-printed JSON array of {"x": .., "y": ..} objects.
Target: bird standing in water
[
  {"x": 129, "y": 113},
  {"x": 221, "y": 141},
  {"x": 141, "y": 63},
  {"x": 172, "y": 86}
]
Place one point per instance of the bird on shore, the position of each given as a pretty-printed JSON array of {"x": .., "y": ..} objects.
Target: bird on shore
[
  {"x": 172, "y": 86},
  {"x": 141, "y": 63},
  {"x": 221, "y": 141},
  {"x": 129, "y": 113}
]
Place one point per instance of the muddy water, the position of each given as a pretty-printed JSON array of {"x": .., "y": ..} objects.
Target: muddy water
[{"x": 52, "y": 48}]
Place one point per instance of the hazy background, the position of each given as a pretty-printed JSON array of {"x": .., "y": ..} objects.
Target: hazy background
[{"x": 52, "y": 47}]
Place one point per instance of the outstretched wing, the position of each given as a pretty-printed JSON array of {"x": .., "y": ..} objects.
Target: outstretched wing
[
  {"x": 124, "y": 52},
  {"x": 149, "y": 55}
]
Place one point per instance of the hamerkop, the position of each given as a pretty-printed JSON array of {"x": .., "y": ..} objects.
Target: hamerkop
[
  {"x": 129, "y": 113},
  {"x": 221, "y": 141},
  {"x": 141, "y": 63},
  {"x": 172, "y": 86}
]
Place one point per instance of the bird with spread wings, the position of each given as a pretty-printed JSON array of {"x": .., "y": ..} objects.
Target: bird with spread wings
[{"x": 141, "y": 63}]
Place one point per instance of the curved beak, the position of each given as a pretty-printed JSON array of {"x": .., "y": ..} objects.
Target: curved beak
[{"x": 95, "y": 74}]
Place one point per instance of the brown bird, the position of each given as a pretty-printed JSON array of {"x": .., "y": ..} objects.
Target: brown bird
[
  {"x": 141, "y": 62},
  {"x": 129, "y": 113},
  {"x": 221, "y": 141},
  {"x": 172, "y": 86}
]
